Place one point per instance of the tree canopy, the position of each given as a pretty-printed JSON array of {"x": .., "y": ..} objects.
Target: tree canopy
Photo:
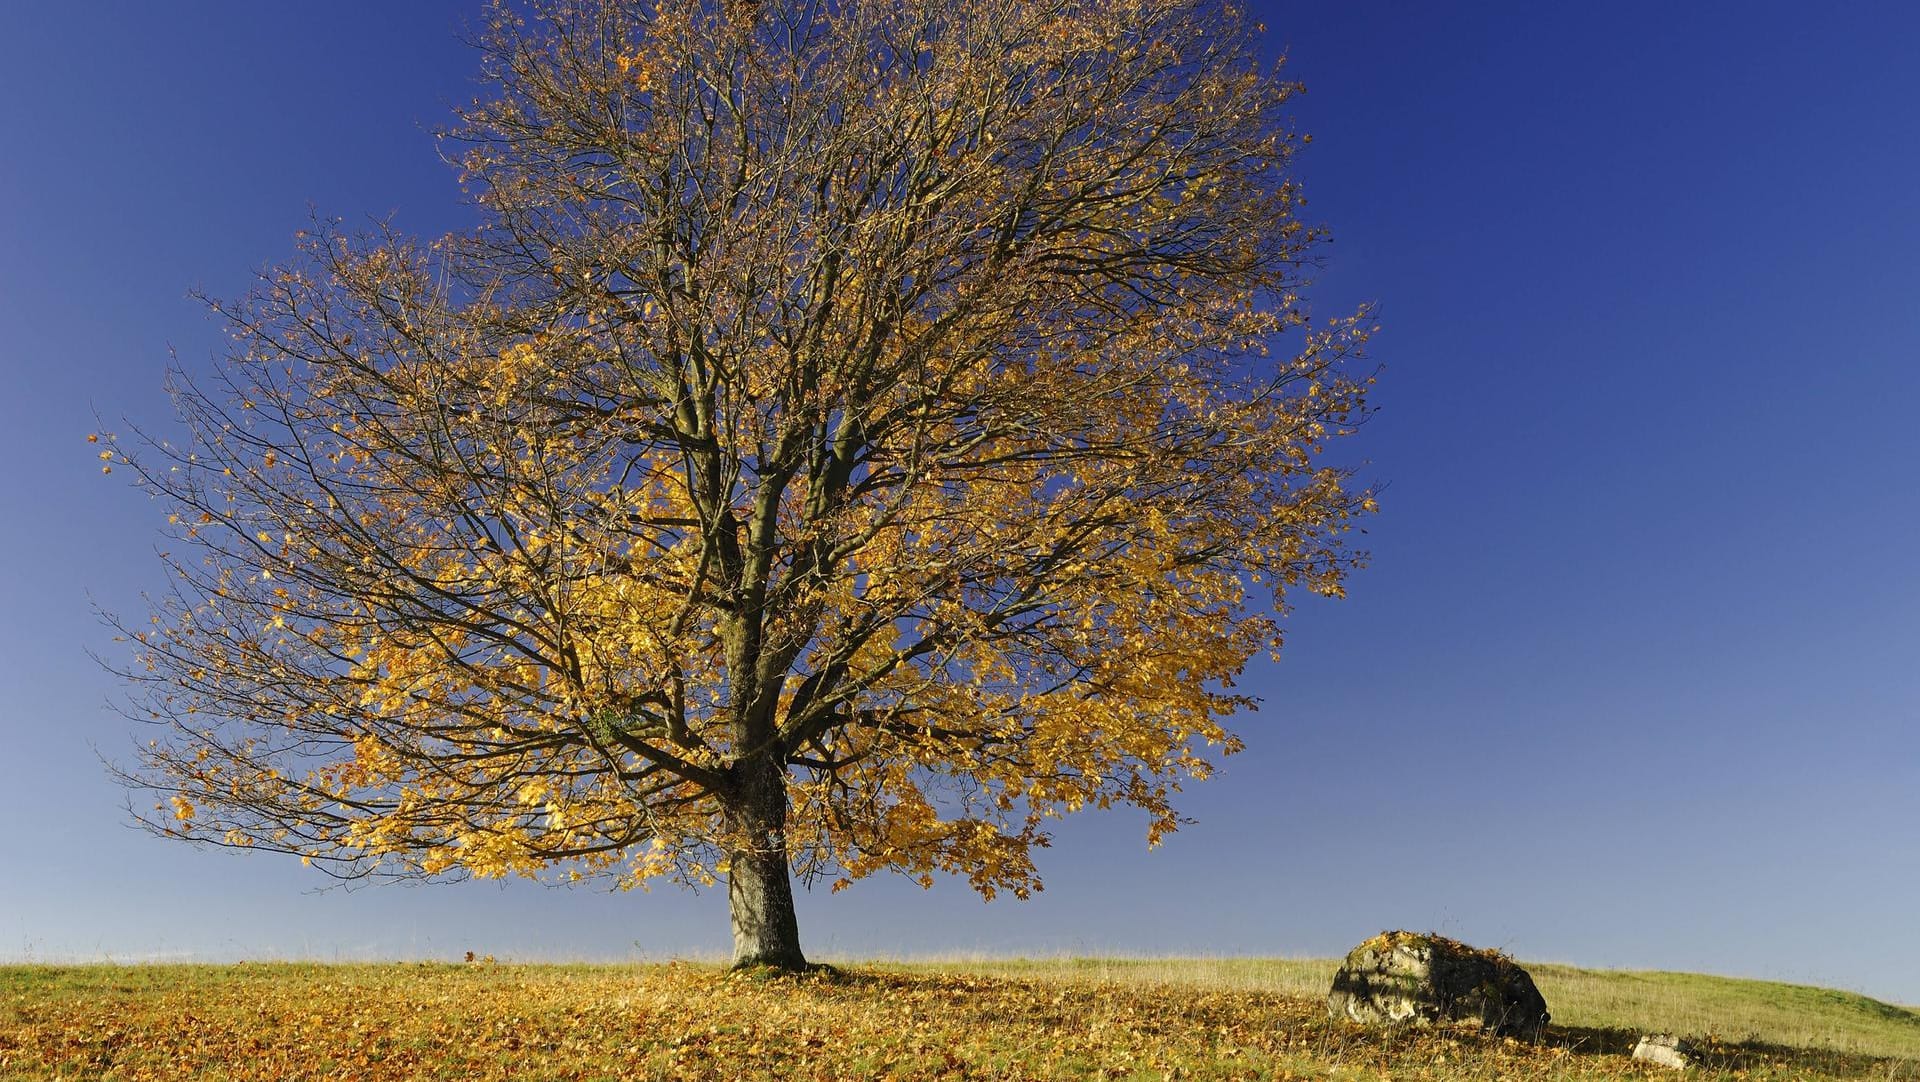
[{"x": 857, "y": 433}]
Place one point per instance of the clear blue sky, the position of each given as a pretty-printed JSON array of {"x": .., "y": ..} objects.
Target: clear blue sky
[{"x": 1634, "y": 677}]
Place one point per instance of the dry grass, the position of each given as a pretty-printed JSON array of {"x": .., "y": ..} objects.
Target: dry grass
[
  {"x": 1306, "y": 977},
  {"x": 1219, "y": 1019}
]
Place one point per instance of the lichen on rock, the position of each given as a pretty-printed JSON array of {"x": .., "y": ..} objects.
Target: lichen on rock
[
  {"x": 1408, "y": 978},
  {"x": 1667, "y": 1050}
]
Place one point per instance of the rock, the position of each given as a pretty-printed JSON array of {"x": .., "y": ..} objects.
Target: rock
[
  {"x": 1667, "y": 1050},
  {"x": 1400, "y": 978}
]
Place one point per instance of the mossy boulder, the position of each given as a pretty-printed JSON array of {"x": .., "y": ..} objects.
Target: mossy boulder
[{"x": 1406, "y": 978}]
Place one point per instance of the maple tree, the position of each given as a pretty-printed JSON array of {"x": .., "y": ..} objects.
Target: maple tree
[{"x": 857, "y": 433}]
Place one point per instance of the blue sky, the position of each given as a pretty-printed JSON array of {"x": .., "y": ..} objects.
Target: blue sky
[{"x": 1633, "y": 679}]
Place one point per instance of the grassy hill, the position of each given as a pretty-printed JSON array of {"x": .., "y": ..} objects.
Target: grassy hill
[
  {"x": 1065, "y": 1018},
  {"x": 1727, "y": 1008}
]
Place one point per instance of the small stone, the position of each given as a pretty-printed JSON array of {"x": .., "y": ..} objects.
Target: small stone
[
  {"x": 1400, "y": 978},
  {"x": 1666, "y": 1050}
]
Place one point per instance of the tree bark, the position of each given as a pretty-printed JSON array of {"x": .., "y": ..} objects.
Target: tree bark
[{"x": 766, "y": 931}]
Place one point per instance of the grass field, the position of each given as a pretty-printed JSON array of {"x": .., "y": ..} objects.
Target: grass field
[
  {"x": 1067, "y": 1019},
  {"x": 1793, "y": 1015}
]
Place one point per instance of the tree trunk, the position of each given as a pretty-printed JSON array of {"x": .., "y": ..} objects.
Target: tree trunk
[{"x": 759, "y": 882}]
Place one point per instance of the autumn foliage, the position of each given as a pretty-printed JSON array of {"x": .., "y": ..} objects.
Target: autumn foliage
[
  {"x": 412, "y": 1021},
  {"x": 857, "y": 434},
  {"x": 1056, "y": 1021}
]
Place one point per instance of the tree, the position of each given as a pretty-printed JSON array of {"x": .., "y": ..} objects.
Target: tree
[{"x": 851, "y": 439}]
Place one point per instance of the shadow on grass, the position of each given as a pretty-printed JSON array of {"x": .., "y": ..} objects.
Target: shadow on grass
[
  {"x": 1749, "y": 1055},
  {"x": 816, "y": 973}
]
